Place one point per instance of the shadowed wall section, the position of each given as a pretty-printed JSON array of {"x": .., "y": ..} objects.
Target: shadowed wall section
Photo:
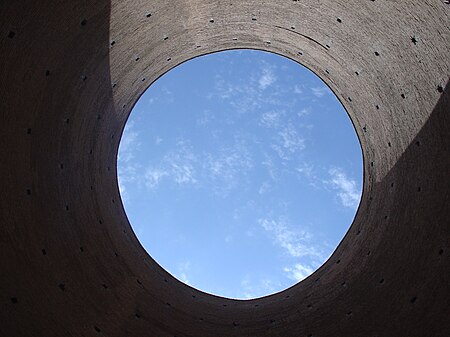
[{"x": 71, "y": 72}]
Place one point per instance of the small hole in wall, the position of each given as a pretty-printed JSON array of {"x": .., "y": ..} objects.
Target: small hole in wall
[
  {"x": 11, "y": 34},
  {"x": 28, "y": 191},
  {"x": 414, "y": 40},
  {"x": 377, "y": 53},
  {"x": 83, "y": 22},
  {"x": 441, "y": 251},
  {"x": 339, "y": 20},
  {"x": 97, "y": 329},
  {"x": 113, "y": 43},
  {"x": 148, "y": 15},
  {"x": 47, "y": 73},
  {"x": 211, "y": 20},
  {"x": 14, "y": 300},
  {"x": 29, "y": 131},
  {"x": 62, "y": 286},
  {"x": 137, "y": 58},
  {"x": 440, "y": 89},
  {"x": 44, "y": 252},
  {"x": 413, "y": 300}
]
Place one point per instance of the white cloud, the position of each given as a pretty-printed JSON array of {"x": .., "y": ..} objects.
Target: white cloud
[
  {"x": 224, "y": 167},
  {"x": 183, "y": 174},
  {"x": 306, "y": 170},
  {"x": 267, "y": 78},
  {"x": 177, "y": 165},
  {"x": 183, "y": 270},
  {"x": 298, "y": 272},
  {"x": 253, "y": 289},
  {"x": 295, "y": 243},
  {"x": 319, "y": 91},
  {"x": 264, "y": 188},
  {"x": 298, "y": 89},
  {"x": 153, "y": 176},
  {"x": 347, "y": 190},
  {"x": 289, "y": 142},
  {"x": 304, "y": 112},
  {"x": 271, "y": 118},
  {"x": 128, "y": 168}
]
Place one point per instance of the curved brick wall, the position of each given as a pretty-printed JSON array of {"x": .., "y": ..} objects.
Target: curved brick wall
[{"x": 70, "y": 264}]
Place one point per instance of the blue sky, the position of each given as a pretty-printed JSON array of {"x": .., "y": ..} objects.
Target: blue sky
[{"x": 240, "y": 172}]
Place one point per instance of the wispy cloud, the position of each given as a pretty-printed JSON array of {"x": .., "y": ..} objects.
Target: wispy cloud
[
  {"x": 294, "y": 242},
  {"x": 177, "y": 165},
  {"x": 298, "y": 271},
  {"x": 289, "y": 142},
  {"x": 298, "y": 89},
  {"x": 319, "y": 91},
  {"x": 224, "y": 167},
  {"x": 267, "y": 78},
  {"x": 251, "y": 288},
  {"x": 183, "y": 271},
  {"x": 128, "y": 169},
  {"x": 271, "y": 119},
  {"x": 153, "y": 177},
  {"x": 265, "y": 187},
  {"x": 347, "y": 190},
  {"x": 304, "y": 112}
]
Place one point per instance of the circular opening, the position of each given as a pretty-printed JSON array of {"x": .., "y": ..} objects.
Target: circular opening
[{"x": 240, "y": 172}]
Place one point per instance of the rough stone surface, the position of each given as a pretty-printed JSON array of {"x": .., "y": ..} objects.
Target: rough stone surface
[{"x": 70, "y": 264}]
